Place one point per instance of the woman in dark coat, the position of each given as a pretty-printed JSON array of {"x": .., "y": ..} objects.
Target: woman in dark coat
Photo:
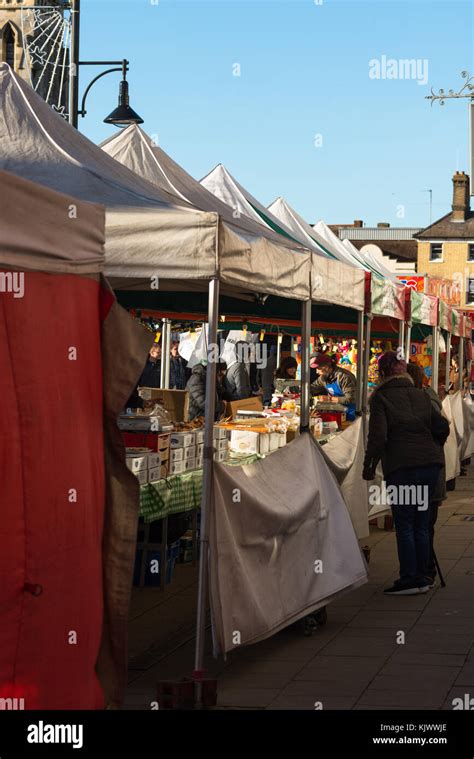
[
  {"x": 196, "y": 388},
  {"x": 417, "y": 374},
  {"x": 406, "y": 433}
]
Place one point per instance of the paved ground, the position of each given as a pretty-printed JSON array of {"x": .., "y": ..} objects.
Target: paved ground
[{"x": 355, "y": 661}]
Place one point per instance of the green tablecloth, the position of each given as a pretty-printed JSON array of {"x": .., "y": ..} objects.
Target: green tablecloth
[{"x": 179, "y": 493}]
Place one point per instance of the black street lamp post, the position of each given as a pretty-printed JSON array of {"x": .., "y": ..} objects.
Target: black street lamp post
[{"x": 120, "y": 116}]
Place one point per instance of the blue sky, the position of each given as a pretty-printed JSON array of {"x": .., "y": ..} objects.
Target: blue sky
[{"x": 304, "y": 119}]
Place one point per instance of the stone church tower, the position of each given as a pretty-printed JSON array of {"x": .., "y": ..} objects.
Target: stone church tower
[{"x": 20, "y": 28}]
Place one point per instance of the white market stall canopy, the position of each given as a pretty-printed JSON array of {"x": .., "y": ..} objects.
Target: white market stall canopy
[
  {"x": 336, "y": 278},
  {"x": 149, "y": 233},
  {"x": 369, "y": 261},
  {"x": 329, "y": 279},
  {"x": 322, "y": 229}
]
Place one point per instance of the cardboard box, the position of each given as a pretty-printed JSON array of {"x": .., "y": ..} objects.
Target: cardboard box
[
  {"x": 154, "y": 474},
  {"x": 281, "y": 439},
  {"x": 176, "y": 467},
  {"x": 137, "y": 463},
  {"x": 199, "y": 462},
  {"x": 154, "y": 460},
  {"x": 220, "y": 456},
  {"x": 163, "y": 440},
  {"x": 274, "y": 440},
  {"x": 181, "y": 439},
  {"x": 189, "y": 452},
  {"x": 189, "y": 465},
  {"x": 200, "y": 449},
  {"x": 176, "y": 402},
  {"x": 199, "y": 436},
  {"x": 248, "y": 404},
  {"x": 263, "y": 442},
  {"x": 291, "y": 435},
  {"x": 142, "y": 476},
  {"x": 176, "y": 454},
  {"x": 244, "y": 441},
  {"x": 221, "y": 445},
  {"x": 219, "y": 433}
]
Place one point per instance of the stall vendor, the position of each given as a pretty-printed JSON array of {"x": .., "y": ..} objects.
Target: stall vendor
[{"x": 335, "y": 381}]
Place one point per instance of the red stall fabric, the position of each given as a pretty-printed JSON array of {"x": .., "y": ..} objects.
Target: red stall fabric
[{"x": 58, "y": 606}]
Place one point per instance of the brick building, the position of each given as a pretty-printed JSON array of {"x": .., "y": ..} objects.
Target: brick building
[{"x": 446, "y": 248}]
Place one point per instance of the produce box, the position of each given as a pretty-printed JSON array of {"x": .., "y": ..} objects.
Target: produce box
[
  {"x": 244, "y": 441},
  {"x": 142, "y": 476},
  {"x": 154, "y": 474},
  {"x": 176, "y": 402},
  {"x": 189, "y": 452},
  {"x": 219, "y": 433},
  {"x": 137, "y": 463},
  {"x": 189, "y": 465},
  {"x": 176, "y": 454},
  {"x": 154, "y": 460},
  {"x": 199, "y": 437},
  {"x": 176, "y": 467},
  {"x": 220, "y": 456},
  {"x": 181, "y": 439},
  {"x": 248, "y": 404}
]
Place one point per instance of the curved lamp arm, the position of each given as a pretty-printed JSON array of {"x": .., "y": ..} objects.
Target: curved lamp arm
[{"x": 83, "y": 111}]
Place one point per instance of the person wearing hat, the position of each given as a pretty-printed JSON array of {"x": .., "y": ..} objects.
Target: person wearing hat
[{"x": 335, "y": 381}]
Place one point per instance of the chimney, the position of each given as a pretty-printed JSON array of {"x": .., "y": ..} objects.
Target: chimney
[
  {"x": 461, "y": 204},
  {"x": 358, "y": 223}
]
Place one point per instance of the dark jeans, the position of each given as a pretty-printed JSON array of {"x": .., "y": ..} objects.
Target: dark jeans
[
  {"x": 413, "y": 518},
  {"x": 433, "y": 518}
]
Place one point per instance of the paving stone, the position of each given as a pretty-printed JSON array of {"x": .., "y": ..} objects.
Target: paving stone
[
  {"x": 409, "y": 699},
  {"x": 391, "y": 619},
  {"x": 246, "y": 697},
  {"x": 360, "y": 646},
  {"x": 307, "y": 703},
  {"x": 421, "y": 658}
]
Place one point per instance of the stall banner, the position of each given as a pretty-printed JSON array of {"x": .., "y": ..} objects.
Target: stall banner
[
  {"x": 413, "y": 283},
  {"x": 447, "y": 289},
  {"x": 468, "y": 326},
  {"x": 445, "y": 318},
  {"x": 388, "y": 298},
  {"x": 456, "y": 321},
  {"x": 424, "y": 309}
]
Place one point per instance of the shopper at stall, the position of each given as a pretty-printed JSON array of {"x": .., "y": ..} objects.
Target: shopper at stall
[
  {"x": 287, "y": 368},
  {"x": 267, "y": 374},
  {"x": 196, "y": 388},
  {"x": 335, "y": 381},
  {"x": 406, "y": 433},
  {"x": 237, "y": 383},
  {"x": 177, "y": 368},
  {"x": 151, "y": 375},
  {"x": 417, "y": 374}
]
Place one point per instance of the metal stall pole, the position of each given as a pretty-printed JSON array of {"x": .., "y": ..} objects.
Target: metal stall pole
[
  {"x": 435, "y": 362},
  {"x": 208, "y": 461},
  {"x": 365, "y": 388},
  {"x": 448, "y": 360},
  {"x": 163, "y": 353},
  {"x": 279, "y": 337},
  {"x": 360, "y": 359},
  {"x": 167, "y": 332},
  {"x": 408, "y": 341},
  {"x": 401, "y": 338},
  {"x": 461, "y": 363},
  {"x": 305, "y": 374}
]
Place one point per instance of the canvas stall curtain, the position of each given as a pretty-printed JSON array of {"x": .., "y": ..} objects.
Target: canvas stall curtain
[
  {"x": 65, "y": 487},
  {"x": 344, "y": 455},
  {"x": 451, "y": 447},
  {"x": 387, "y": 298},
  {"x": 281, "y": 545}
]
